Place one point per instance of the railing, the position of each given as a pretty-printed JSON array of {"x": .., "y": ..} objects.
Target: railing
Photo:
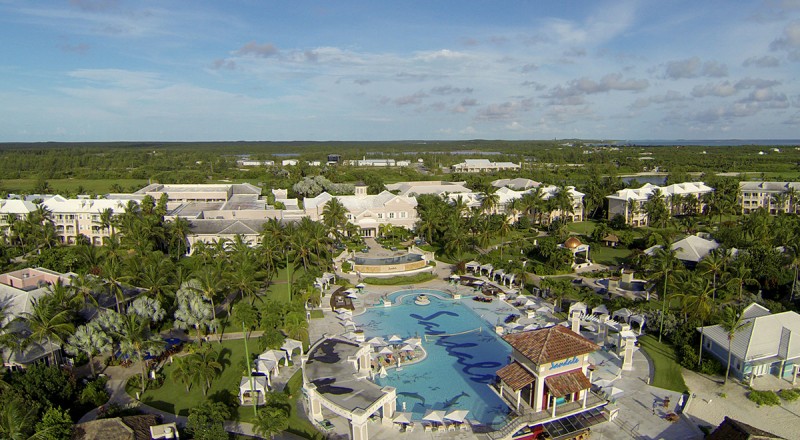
[{"x": 532, "y": 418}]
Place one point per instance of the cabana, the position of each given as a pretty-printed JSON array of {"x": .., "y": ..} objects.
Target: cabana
[
  {"x": 637, "y": 319},
  {"x": 498, "y": 273},
  {"x": 253, "y": 393},
  {"x": 579, "y": 307},
  {"x": 290, "y": 345},
  {"x": 472, "y": 266},
  {"x": 600, "y": 310},
  {"x": 508, "y": 279},
  {"x": 622, "y": 315},
  {"x": 267, "y": 367},
  {"x": 486, "y": 267},
  {"x": 275, "y": 355}
]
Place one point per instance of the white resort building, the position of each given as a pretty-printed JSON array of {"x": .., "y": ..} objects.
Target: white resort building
[
  {"x": 483, "y": 165},
  {"x": 680, "y": 198},
  {"x": 773, "y": 196}
]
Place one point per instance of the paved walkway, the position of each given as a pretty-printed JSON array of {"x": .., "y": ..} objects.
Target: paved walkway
[{"x": 709, "y": 407}]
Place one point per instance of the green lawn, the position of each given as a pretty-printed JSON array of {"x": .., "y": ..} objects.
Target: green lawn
[
  {"x": 173, "y": 397},
  {"x": 667, "y": 370},
  {"x": 583, "y": 228},
  {"x": 609, "y": 255},
  {"x": 95, "y": 186}
]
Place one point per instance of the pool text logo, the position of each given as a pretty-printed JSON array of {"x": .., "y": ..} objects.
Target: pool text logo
[{"x": 564, "y": 363}]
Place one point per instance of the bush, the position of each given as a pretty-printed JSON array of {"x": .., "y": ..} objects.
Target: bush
[
  {"x": 768, "y": 398},
  {"x": 95, "y": 393},
  {"x": 347, "y": 267},
  {"x": 688, "y": 357},
  {"x": 789, "y": 395},
  {"x": 393, "y": 281},
  {"x": 711, "y": 367}
]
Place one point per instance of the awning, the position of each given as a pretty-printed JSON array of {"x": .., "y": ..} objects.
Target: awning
[
  {"x": 515, "y": 376},
  {"x": 567, "y": 383}
]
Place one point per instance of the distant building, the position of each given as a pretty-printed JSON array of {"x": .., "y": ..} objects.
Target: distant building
[
  {"x": 483, "y": 165},
  {"x": 120, "y": 428},
  {"x": 518, "y": 184},
  {"x": 334, "y": 159},
  {"x": 254, "y": 163},
  {"x": 379, "y": 163},
  {"x": 731, "y": 429},
  {"x": 680, "y": 198},
  {"x": 689, "y": 250},
  {"x": 773, "y": 196},
  {"x": 437, "y": 187},
  {"x": 770, "y": 344}
]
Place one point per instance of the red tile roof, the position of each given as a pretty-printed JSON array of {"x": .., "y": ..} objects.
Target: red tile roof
[
  {"x": 515, "y": 376},
  {"x": 550, "y": 344},
  {"x": 567, "y": 383}
]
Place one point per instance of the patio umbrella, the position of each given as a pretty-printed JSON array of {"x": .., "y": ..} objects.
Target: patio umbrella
[
  {"x": 377, "y": 341},
  {"x": 543, "y": 309},
  {"x": 349, "y": 322},
  {"x": 434, "y": 415},
  {"x": 407, "y": 347},
  {"x": 455, "y": 277},
  {"x": 530, "y": 327},
  {"x": 602, "y": 383},
  {"x": 344, "y": 312},
  {"x": 386, "y": 350},
  {"x": 352, "y": 295},
  {"x": 457, "y": 415},
  {"x": 360, "y": 286},
  {"x": 413, "y": 341},
  {"x": 350, "y": 335},
  {"x": 402, "y": 417},
  {"x": 395, "y": 338},
  {"x": 478, "y": 283}
]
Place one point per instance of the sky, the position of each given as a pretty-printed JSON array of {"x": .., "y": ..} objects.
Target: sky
[{"x": 146, "y": 70}]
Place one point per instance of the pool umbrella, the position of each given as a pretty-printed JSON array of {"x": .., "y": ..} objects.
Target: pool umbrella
[
  {"x": 386, "y": 350},
  {"x": 434, "y": 415},
  {"x": 344, "y": 312},
  {"x": 413, "y": 341},
  {"x": 352, "y": 295},
  {"x": 478, "y": 283},
  {"x": 377, "y": 341},
  {"x": 530, "y": 327},
  {"x": 457, "y": 415},
  {"x": 455, "y": 277},
  {"x": 360, "y": 286},
  {"x": 395, "y": 338},
  {"x": 402, "y": 417},
  {"x": 350, "y": 335},
  {"x": 602, "y": 383},
  {"x": 349, "y": 322},
  {"x": 407, "y": 347}
]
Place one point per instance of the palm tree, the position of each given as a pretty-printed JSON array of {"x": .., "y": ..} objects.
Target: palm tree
[
  {"x": 732, "y": 321},
  {"x": 740, "y": 274},
  {"x": 663, "y": 266},
  {"x": 185, "y": 371},
  {"x": 209, "y": 284},
  {"x": 84, "y": 285},
  {"x": 489, "y": 200},
  {"x": 296, "y": 326},
  {"x": 334, "y": 215},
  {"x": 795, "y": 265},
  {"x": 17, "y": 419},
  {"x": 113, "y": 275},
  {"x": 194, "y": 311},
  {"x": 91, "y": 340},
  {"x": 714, "y": 264},
  {"x": 48, "y": 325},
  {"x": 271, "y": 421},
  {"x": 207, "y": 366},
  {"x": 562, "y": 201},
  {"x": 697, "y": 303},
  {"x": 137, "y": 341}
]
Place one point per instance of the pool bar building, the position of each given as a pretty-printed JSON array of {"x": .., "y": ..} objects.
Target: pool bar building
[{"x": 546, "y": 384}]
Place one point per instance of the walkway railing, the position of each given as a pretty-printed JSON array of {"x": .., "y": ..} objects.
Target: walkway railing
[{"x": 533, "y": 418}]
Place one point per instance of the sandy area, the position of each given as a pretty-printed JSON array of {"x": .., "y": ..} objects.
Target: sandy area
[{"x": 708, "y": 408}]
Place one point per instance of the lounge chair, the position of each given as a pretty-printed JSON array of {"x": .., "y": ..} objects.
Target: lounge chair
[
  {"x": 410, "y": 427},
  {"x": 450, "y": 426},
  {"x": 427, "y": 427}
]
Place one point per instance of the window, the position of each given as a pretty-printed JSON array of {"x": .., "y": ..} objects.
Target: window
[
  {"x": 403, "y": 214},
  {"x": 380, "y": 215},
  {"x": 391, "y": 215}
]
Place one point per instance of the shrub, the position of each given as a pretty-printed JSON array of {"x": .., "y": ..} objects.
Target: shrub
[
  {"x": 768, "y": 398},
  {"x": 688, "y": 357},
  {"x": 393, "y": 281},
  {"x": 347, "y": 267},
  {"x": 711, "y": 367},
  {"x": 789, "y": 395},
  {"x": 95, "y": 393}
]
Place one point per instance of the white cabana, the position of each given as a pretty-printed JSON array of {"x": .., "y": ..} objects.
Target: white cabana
[
  {"x": 486, "y": 267},
  {"x": 458, "y": 415},
  {"x": 290, "y": 345},
  {"x": 267, "y": 367},
  {"x": 623, "y": 315},
  {"x": 377, "y": 341},
  {"x": 498, "y": 273},
  {"x": 638, "y": 319},
  {"x": 402, "y": 417},
  {"x": 509, "y": 278},
  {"x": 600, "y": 310},
  {"x": 253, "y": 392},
  {"x": 275, "y": 355},
  {"x": 578, "y": 306},
  {"x": 544, "y": 309},
  {"x": 434, "y": 415},
  {"x": 473, "y": 266},
  {"x": 413, "y": 341}
]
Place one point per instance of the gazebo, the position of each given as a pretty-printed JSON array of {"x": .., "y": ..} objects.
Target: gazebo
[
  {"x": 275, "y": 355},
  {"x": 579, "y": 307},
  {"x": 290, "y": 345},
  {"x": 622, "y": 315},
  {"x": 267, "y": 367},
  {"x": 577, "y": 248},
  {"x": 600, "y": 310},
  {"x": 472, "y": 266},
  {"x": 253, "y": 393},
  {"x": 486, "y": 267}
]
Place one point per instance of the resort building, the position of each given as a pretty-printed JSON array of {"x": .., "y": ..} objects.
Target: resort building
[
  {"x": 18, "y": 292},
  {"x": 366, "y": 211},
  {"x": 335, "y": 379},
  {"x": 547, "y": 381},
  {"x": 767, "y": 344},
  {"x": 519, "y": 184},
  {"x": 506, "y": 196},
  {"x": 775, "y": 197},
  {"x": 198, "y": 192},
  {"x": 378, "y": 163},
  {"x": 689, "y": 250},
  {"x": 680, "y": 198},
  {"x": 437, "y": 187},
  {"x": 483, "y": 165}
]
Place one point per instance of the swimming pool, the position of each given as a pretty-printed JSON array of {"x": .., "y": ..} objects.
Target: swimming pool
[{"x": 458, "y": 369}]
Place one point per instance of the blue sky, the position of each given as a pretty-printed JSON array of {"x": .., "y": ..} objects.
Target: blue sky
[{"x": 105, "y": 70}]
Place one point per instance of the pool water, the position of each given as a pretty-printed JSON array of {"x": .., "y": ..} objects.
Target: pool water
[{"x": 459, "y": 368}]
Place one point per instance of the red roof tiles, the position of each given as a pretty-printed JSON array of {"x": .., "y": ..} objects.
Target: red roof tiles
[
  {"x": 515, "y": 376},
  {"x": 550, "y": 344},
  {"x": 567, "y": 383}
]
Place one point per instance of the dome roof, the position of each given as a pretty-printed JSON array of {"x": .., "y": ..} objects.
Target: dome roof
[{"x": 572, "y": 243}]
